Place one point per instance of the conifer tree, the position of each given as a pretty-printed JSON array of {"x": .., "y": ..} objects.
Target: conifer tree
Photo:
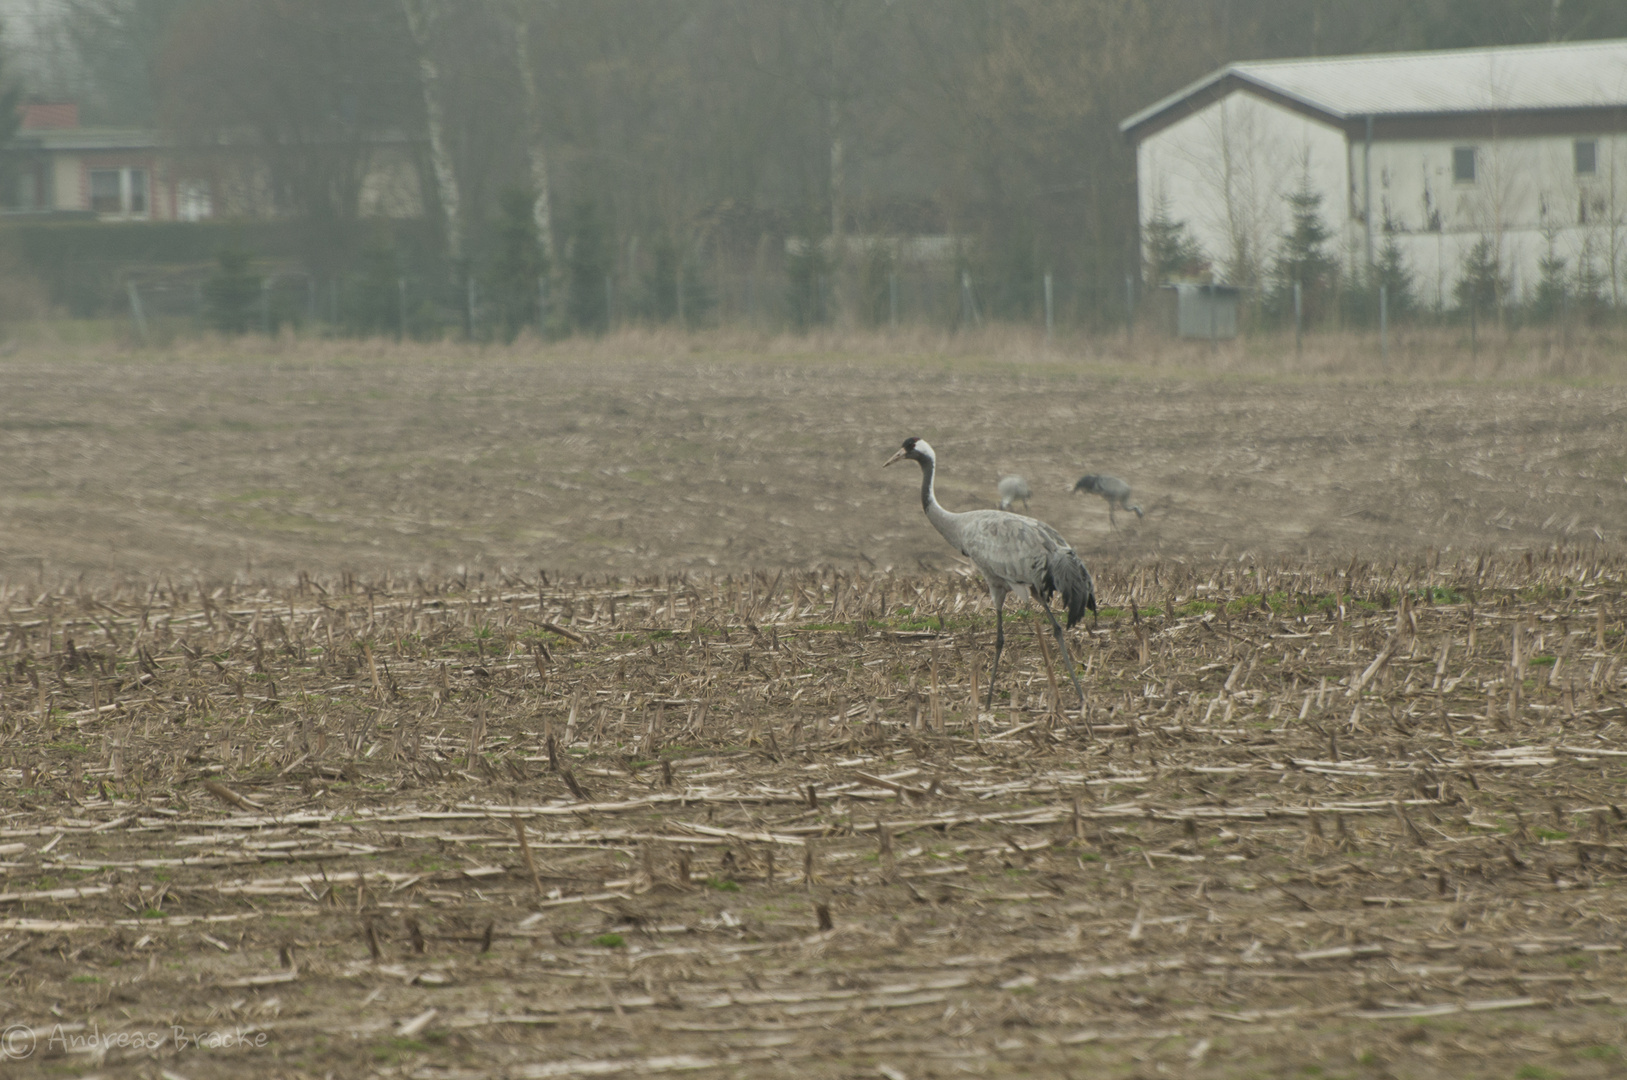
[
  {"x": 588, "y": 269},
  {"x": 1303, "y": 257},
  {"x": 1173, "y": 253},
  {"x": 1392, "y": 272},
  {"x": 1481, "y": 285},
  {"x": 1553, "y": 287},
  {"x": 518, "y": 263}
]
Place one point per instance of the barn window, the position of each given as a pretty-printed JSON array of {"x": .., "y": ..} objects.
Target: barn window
[
  {"x": 1463, "y": 164},
  {"x": 1587, "y": 157}
]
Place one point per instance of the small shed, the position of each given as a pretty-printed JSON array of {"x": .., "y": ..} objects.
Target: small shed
[{"x": 1192, "y": 310}]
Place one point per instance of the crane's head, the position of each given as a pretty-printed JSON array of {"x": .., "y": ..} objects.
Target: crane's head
[
  {"x": 1086, "y": 483},
  {"x": 914, "y": 448}
]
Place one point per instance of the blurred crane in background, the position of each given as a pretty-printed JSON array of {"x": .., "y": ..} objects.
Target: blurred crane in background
[
  {"x": 1111, "y": 488},
  {"x": 1012, "y": 489}
]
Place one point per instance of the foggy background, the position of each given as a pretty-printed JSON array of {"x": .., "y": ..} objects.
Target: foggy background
[{"x": 784, "y": 163}]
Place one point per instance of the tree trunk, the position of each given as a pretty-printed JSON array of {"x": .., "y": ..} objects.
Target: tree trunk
[
  {"x": 421, "y": 16},
  {"x": 838, "y": 214},
  {"x": 535, "y": 150}
]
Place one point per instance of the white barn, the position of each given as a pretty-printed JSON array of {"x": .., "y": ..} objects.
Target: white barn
[{"x": 1525, "y": 146}]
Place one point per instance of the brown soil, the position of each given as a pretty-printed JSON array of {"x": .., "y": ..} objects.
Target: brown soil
[
  {"x": 638, "y": 456},
  {"x": 1351, "y": 813}
]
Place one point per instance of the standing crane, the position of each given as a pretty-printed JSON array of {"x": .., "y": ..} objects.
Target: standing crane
[
  {"x": 1111, "y": 488},
  {"x": 1013, "y": 553},
  {"x": 1011, "y": 489}
]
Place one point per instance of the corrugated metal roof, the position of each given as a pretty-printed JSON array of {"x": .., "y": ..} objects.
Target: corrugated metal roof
[{"x": 1575, "y": 75}]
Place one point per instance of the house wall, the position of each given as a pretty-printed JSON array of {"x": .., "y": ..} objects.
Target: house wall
[
  {"x": 391, "y": 186},
  {"x": 68, "y": 191},
  {"x": 225, "y": 181},
  {"x": 1227, "y": 170}
]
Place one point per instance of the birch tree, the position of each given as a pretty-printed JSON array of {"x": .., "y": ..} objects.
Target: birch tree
[
  {"x": 421, "y": 17},
  {"x": 535, "y": 145}
]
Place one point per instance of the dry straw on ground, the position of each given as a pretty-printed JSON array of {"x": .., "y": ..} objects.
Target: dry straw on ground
[{"x": 1361, "y": 817}]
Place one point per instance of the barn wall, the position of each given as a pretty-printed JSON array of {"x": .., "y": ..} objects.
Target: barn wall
[
  {"x": 1525, "y": 191},
  {"x": 1227, "y": 170}
]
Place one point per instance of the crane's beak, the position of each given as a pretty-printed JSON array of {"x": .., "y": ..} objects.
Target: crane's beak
[{"x": 894, "y": 458}]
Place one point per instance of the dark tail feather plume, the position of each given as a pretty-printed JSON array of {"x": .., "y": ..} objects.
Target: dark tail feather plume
[{"x": 1069, "y": 577}]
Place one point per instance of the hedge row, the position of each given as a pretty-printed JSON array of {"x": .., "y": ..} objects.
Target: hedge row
[{"x": 84, "y": 263}]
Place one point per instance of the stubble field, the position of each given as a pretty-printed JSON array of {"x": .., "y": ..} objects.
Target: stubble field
[
  {"x": 629, "y": 456},
  {"x": 532, "y": 745}
]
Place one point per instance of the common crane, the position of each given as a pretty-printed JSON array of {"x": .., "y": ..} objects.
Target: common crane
[
  {"x": 1013, "y": 488},
  {"x": 1013, "y": 553},
  {"x": 1111, "y": 488}
]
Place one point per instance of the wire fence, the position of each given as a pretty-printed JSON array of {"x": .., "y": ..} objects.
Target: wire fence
[{"x": 771, "y": 298}]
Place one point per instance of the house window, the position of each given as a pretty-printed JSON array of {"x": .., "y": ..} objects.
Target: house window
[
  {"x": 1587, "y": 157},
  {"x": 105, "y": 196},
  {"x": 138, "y": 191},
  {"x": 1463, "y": 164},
  {"x": 119, "y": 191}
]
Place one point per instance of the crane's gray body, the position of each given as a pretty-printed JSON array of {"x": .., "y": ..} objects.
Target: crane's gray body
[
  {"x": 1013, "y": 489},
  {"x": 1111, "y": 488},
  {"x": 1013, "y": 553}
]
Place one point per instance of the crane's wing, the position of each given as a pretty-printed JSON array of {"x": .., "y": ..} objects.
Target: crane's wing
[
  {"x": 1006, "y": 546},
  {"x": 1067, "y": 575},
  {"x": 1018, "y": 550}
]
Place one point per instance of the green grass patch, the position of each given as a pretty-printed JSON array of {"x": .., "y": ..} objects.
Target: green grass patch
[
  {"x": 610, "y": 941},
  {"x": 1122, "y": 613},
  {"x": 722, "y": 884},
  {"x": 395, "y": 1049}
]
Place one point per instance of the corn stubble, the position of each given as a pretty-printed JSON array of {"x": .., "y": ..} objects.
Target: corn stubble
[{"x": 590, "y": 825}]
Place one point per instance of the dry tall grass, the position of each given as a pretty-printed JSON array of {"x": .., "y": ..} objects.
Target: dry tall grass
[{"x": 1417, "y": 351}]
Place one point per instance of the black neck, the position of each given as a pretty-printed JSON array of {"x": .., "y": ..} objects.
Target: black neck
[{"x": 927, "y": 465}]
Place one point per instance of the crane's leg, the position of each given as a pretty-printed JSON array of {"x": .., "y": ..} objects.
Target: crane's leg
[
  {"x": 1112, "y": 521},
  {"x": 999, "y": 641},
  {"x": 1067, "y": 657}
]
